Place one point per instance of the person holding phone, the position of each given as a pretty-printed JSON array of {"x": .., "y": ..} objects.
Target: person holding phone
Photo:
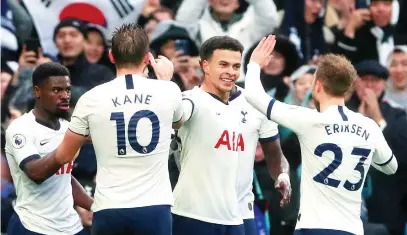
[
  {"x": 171, "y": 39},
  {"x": 369, "y": 33}
]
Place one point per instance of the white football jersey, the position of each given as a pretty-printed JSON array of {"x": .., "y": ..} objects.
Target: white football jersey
[
  {"x": 255, "y": 127},
  {"x": 130, "y": 121},
  {"x": 45, "y": 208},
  {"x": 211, "y": 141},
  {"x": 337, "y": 148}
]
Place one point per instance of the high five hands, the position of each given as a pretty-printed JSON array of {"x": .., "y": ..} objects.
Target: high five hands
[{"x": 263, "y": 52}]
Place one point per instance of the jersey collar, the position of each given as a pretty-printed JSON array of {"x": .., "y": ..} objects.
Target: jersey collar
[{"x": 233, "y": 95}]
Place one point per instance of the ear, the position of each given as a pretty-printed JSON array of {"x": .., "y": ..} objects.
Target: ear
[
  {"x": 318, "y": 86},
  {"x": 111, "y": 58},
  {"x": 36, "y": 91},
  {"x": 146, "y": 59},
  {"x": 204, "y": 65}
]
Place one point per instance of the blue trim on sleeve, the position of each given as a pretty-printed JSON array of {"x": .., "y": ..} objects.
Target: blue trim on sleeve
[
  {"x": 28, "y": 159},
  {"x": 387, "y": 162},
  {"x": 193, "y": 105},
  {"x": 270, "y": 107},
  {"x": 269, "y": 139},
  {"x": 178, "y": 120},
  {"x": 77, "y": 133}
]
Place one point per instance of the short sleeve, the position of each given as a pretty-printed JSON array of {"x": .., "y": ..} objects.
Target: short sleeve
[
  {"x": 188, "y": 104},
  {"x": 79, "y": 121},
  {"x": 382, "y": 154},
  {"x": 20, "y": 145},
  {"x": 268, "y": 131},
  {"x": 178, "y": 107}
]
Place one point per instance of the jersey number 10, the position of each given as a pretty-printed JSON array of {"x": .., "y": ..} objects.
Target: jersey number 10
[
  {"x": 131, "y": 131},
  {"x": 323, "y": 178}
]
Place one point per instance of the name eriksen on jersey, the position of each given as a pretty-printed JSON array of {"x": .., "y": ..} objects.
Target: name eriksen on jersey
[
  {"x": 349, "y": 128},
  {"x": 137, "y": 99}
]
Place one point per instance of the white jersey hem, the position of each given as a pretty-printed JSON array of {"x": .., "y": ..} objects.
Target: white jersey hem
[
  {"x": 208, "y": 220},
  {"x": 248, "y": 217},
  {"x": 36, "y": 229},
  {"x": 130, "y": 206},
  {"x": 337, "y": 229}
]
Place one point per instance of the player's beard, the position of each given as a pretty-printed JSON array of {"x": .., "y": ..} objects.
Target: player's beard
[{"x": 63, "y": 114}]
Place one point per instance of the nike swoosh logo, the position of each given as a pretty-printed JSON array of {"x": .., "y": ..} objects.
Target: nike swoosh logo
[{"x": 43, "y": 142}]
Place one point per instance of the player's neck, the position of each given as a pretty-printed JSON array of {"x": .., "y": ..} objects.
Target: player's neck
[
  {"x": 45, "y": 117},
  {"x": 331, "y": 101},
  {"x": 206, "y": 86},
  {"x": 125, "y": 71}
]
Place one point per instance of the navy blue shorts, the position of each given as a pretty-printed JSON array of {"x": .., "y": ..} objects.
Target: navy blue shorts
[
  {"x": 249, "y": 227},
  {"x": 187, "y": 226},
  {"x": 154, "y": 220},
  {"x": 320, "y": 232},
  {"x": 15, "y": 227}
]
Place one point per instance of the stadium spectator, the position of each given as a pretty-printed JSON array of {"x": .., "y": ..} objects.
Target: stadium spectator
[
  {"x": 171, "y": 39},
  {"x": 396, "y": 89},
  {"x": 284, "y": 63},
  {"x": 369, "y": 33},
  {"x": 96, "y": 47},
  {"x": 384, "y": 205},
  {"x": 303, "y": 24},
  {"x": 156, "y": 17},
  {"x": 218, "y": 18},
  {"x": 69, "y": 38}
]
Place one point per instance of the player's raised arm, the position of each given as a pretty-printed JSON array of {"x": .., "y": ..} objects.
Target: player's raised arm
[
  {"x": 274, "y": 110},
  {"x": 255, "y": 93},
  {"x": 383, "y": 157}
]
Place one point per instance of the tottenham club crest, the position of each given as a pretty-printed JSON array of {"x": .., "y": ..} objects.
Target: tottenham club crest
[
  {"x": 18, "y": 141},
  {"x": 244, "y": 120}
]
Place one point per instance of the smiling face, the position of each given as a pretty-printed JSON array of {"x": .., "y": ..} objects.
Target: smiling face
[
  {"x": 398, "y": 70},
  {"x": 222, "y": 70}
]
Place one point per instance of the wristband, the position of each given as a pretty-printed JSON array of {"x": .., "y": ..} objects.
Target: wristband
[{"x": 382, "y": 124}]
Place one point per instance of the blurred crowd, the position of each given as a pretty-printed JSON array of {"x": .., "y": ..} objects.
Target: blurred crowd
[{"x": 371, "y": 33}]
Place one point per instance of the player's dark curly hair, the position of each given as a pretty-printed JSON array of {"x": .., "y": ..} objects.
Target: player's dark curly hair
[
  {"x": 129, "y": 45},
  {"x": 219, "y": 43},
  {"x": 46, "y": 70}
]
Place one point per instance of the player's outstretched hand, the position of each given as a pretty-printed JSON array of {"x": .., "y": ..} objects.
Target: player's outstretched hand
[
  {"x": 163, "y": 67},
  {"x": 262, "y": 53},
  {"x": 283, "y": 185}
]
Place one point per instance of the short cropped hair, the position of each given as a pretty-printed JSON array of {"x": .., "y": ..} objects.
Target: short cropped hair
[
  {"x": 129, "y": 45},
  {"x": 336, "y": 73},
  {"x": 219, "y": 43},
  {"x": 46, "y": 70}
]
